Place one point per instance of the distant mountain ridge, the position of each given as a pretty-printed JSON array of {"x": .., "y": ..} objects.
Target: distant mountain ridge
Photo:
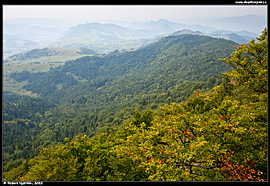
[
  {"x": 171, "y": 26},
  {"x": 185, "y": 31},
  {"x": 88, "y": 28},
  {"x": 238, "y": 37},
  {"x": 226, "y": 32},
  {"x": 250, "y": 23},
  {"x": 107, "y": 37},
  {"x": 97, "y": 36}
]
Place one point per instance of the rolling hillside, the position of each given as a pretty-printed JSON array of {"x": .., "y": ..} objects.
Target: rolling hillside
[
  {"x": 217, "y": 134},
  {"x": 94, "y": 93},
  {"x": 165, "y": 64}
]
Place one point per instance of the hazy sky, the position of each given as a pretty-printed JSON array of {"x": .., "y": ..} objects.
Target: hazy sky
[{"x": 129, "y": 12}]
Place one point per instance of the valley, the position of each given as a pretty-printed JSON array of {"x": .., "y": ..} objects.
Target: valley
[
  {"x": 111, "y": 87},
  {"x": 37, "y": 60},
  {"x": 149, "y": 101}
]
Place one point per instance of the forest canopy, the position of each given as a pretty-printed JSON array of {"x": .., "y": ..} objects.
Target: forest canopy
[{"x": 219, "y": 135}]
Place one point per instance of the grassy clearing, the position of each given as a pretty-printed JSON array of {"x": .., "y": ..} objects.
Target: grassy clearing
[
  {"x": 11, "y": 85},
  {"x": 57, "y": 57}
]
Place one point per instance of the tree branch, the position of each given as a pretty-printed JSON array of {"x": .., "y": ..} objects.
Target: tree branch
[
  {"x": 165, "y": 157},
  {"x": 184, "y": 165},
  {"x": 190, "y": 171}
]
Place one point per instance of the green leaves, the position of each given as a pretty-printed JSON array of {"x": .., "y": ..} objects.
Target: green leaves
[
  {"x": 250, "y": 64},
  {"x": 193, "y": 138}
]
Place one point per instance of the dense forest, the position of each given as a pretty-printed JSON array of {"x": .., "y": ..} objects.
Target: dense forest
[
  {"x": 189, "y": 121},
  {"x": 153, "y": 69},
  {"x": 93, "y": 93}
]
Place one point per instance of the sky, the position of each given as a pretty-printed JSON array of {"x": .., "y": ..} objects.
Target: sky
[{"x": 131, "y": 13}]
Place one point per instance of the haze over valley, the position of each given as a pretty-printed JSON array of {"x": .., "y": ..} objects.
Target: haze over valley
[{"x": 24, "y": 34}]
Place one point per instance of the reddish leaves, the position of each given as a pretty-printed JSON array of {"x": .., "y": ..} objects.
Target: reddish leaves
[
  {"x": 187, "y": 133},
  {"x": 223, "y": 117},
  {"x": 235, "y": 171}
]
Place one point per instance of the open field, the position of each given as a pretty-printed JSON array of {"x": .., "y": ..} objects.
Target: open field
[{"x": 19, "y": 63}]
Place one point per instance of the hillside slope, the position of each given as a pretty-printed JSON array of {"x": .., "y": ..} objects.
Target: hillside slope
[
  {"x": 165, "y": 64},
  {"x": 97, "y": 93},
  {"x": 218, "y": 136}
]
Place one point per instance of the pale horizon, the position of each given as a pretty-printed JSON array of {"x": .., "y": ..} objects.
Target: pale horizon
[{"x": 130, "y": 13}]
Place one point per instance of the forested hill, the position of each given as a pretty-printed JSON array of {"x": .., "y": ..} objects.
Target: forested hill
[
  {"x": 95, "y": 93},
  {"x": 214, "y": 135},
  {"x": 154, "y": 69}
]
